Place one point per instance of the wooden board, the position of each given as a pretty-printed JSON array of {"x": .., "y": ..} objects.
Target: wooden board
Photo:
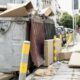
[{"x": 74, "y": 60}]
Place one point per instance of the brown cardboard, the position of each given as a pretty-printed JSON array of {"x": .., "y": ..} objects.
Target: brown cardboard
[
  {"x": 47, "y": 12},
  {"x": 22, "y": 10},
  {"x": 12, "y": 5},
  {"x": 48, "y": 52},
  {"x": 1, "y": 11},
  {"x": 6, "y": 76},
  {"x": 64, "y": 56},
  {"x": 74, "y": 60}
]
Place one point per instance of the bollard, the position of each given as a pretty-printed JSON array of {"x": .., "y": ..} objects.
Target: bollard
[
  {"x": 69, "y": 39},
  {"x": 54, "y": 51},
  {"x": 60, "y": 36},
  {"x": 24, "y": 60},
  {"x": 55, "y": 58},
  {"x": 66, "y": 37}
]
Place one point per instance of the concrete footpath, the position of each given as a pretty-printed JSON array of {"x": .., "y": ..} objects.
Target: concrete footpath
[{"x": 63, "y": 73}]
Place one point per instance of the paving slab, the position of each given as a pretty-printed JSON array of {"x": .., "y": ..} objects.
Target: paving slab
[{"x": 63, "y": 73}]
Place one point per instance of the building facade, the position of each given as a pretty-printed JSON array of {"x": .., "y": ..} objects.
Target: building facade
[
  {"x": 4, "y": 2},
  {"x": 46, "y": 3}
]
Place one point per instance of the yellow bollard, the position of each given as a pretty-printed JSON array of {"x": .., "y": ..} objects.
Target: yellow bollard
[
  {"x": 70, "y": 38},
  {"x": 24, "y": 60},
  {"x": 54, "y": 51},
  {"x": 67, "y": 37},
  {"x": 60, "y": 36}
]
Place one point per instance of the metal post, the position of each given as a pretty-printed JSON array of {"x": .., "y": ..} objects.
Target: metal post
[
  {"x": 54, "y": 50},
  {"x": 24, "y": 60},
  {"x": 75, "y": 5},
  {"x": 73, "y": 20},
  {"x": 55, "y": 14},
  {"x": 73, "y": 28}
]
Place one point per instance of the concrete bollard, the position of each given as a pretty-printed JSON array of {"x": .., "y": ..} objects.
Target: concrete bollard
[{"x": 24, "y": 60}]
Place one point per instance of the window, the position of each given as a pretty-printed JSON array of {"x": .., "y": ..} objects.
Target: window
[{"x": 46, "y": 3}]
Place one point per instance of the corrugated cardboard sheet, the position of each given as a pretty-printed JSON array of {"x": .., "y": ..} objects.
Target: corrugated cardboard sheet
[
  {"x": 48, "y": 52},
  {"x": 47, "y": 11},
  {"x": 22, "y": 10},
  {"x": 75, "y": 60}
]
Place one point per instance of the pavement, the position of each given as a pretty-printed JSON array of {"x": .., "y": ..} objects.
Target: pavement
[
  {"x": 63, "y": 70},
  {"x": 63, "y": 73}
]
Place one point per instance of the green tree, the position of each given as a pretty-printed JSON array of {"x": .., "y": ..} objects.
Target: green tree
[
  {"x": 78, "y": 20},
  {"x": 66, "y": 20}
]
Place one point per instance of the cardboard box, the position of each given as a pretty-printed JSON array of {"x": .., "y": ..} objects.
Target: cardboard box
[
  {"x": 18, "y": 11},
  {"x": 48, "y": 52},
  {"x": 74, "y": 60},
  {"x": 6, "y": 76},
  {"x": 47, "y": 12},
  {"x": 1, "y": 11},
  {"x": 64, "y": 56},
  {"x": 12, "y": 5}
]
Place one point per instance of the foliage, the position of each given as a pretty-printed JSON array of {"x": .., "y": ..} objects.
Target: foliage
[
  {"x": 66, "y": 20},
  {"x": 78, "y": 20}
]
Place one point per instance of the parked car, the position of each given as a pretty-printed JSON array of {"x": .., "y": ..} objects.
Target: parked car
[{"x": 68, "y": 30}]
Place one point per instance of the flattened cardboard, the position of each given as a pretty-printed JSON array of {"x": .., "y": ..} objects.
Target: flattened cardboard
[
  {"x": 74, "y": 60},
  {"x": 6, "y": 76},
  {"x": 64, "y": 56},
  {"x": 19, "y": 11},
  {"x": 48, "y": 52},
  {"x": 1, "y": 11},
  {"x": 12, "y": 5},
  {"x": 47, "y": 12}
]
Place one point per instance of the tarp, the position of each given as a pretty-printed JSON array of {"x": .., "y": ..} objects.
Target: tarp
[
  {"x": 49, "y": 28},
  {"x": 37, "y": 40}
]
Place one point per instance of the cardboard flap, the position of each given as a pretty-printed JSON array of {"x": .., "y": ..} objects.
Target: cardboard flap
[
  {"x": 74, "y": 60},
  {"x": 19, "y": 11},
  {"x": 47, "y": 12}
]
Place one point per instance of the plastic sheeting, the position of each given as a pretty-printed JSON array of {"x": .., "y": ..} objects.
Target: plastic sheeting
[
  {"x": 49, "y": 29},
  {"x": 39, "y": 30},
  {"x": 37, "y": 40}
]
